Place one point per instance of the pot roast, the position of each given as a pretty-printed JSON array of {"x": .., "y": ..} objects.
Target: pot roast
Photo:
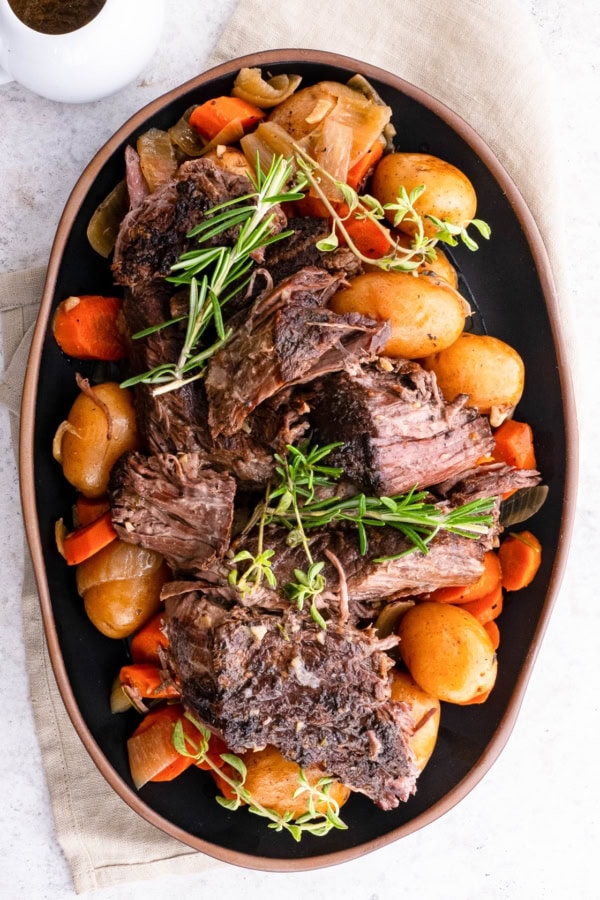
[{"x": 254, "y": 668}]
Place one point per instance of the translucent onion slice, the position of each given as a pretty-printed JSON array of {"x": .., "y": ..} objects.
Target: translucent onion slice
[
  {"x": 104, "y": 224},
  {"x": 348, "y": 107},
  {"x": 250, "y": 85},
  {"x": 183, "y": 135},
  {"x": 157, "y": 157},
  {"x": 331, "y": 146},
  {"x": 268, "y": 140}
]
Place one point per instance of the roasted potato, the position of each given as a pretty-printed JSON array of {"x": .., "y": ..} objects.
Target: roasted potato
[
  {"x": 100, "y": 427},
  {"x": 424, "y": 711},
  {"x": 272, "y": 781},
  {"x": 447, "y": 651},
  {"x": 120, "y": 586},
  {"x": 424, "y": 312},
  {"x": 448, "y": 195},
  {"x": 490, "y": 371}
]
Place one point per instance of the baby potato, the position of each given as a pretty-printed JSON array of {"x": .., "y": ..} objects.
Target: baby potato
[
  {"x": 447, "y": 651},
  {"x": 442, "y": 267},
  {"x": 448, "y": 192},
  {"x": 490, "y": 371},
  {"x": 424, "y": 712},
  {"x": 121, "y": 586},
  {"x": 424, "y": 312},
  {"x": 100, "y": 427},
  {"x": 273, "y": 780}
]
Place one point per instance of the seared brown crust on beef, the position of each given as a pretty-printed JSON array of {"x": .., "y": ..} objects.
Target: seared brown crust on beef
[
  {"x": 288, "y": 336},
  {"x": 154, "y": 233},
  {"x": 175, "y": 505},
  {"x": 398, "y": 432},
  {"x": 321, "y": 697},
  {"x": 300, "y": 250}
]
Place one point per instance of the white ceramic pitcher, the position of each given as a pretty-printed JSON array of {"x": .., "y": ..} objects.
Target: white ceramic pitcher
[{"x": 92, "y": 62}]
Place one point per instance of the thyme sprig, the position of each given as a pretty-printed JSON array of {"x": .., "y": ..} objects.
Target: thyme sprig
[
  {"x": 300, "y": 509},
  {"x": 364, "y": 206},
  {"x": 323, "y": 811},
  {"x": 215, "y": 274}
]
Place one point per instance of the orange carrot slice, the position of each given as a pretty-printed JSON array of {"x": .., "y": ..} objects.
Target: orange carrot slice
[
  {"x": 487, "y": 581},
  {"x": 520, "y": 558},
  {"x": 513, "y": 445},
  {"x": 89, "y": 327},
  {"x": 79, "y": 545},
  {"x": 213, "y": 116}
]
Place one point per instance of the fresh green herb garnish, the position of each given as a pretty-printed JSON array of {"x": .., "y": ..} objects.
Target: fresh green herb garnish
[
  {"x": 216, "y": 274},
  {"x": 364, "y": 206},
  {"x": 294, "y": 503},
  {"x": 314, "y": 821}
]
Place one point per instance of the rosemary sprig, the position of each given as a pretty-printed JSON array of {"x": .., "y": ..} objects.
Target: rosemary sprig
[
  {"x": 413, "y": 513},
  {"x": 217, "y": 273},
  {"x": 314, "y": 821}
]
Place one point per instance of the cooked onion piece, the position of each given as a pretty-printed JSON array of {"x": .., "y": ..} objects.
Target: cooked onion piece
[
  {"x": 184, "y": 137},
  {"x": 251, "y": 86},
  {"x": 301, "y": 113},
  {"x": 157, "y": 157},
  {"x": 106, "y": 220}
]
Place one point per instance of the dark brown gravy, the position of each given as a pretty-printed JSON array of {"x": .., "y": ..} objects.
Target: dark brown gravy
[{"x": 56, "y": 16}]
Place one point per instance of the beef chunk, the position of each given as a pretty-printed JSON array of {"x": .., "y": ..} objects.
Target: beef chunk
[
  {"x": 175, "y": 505},
  {"x": 154, "y": 233},
  {"x": 370, "y": 579},
  {"x": 287, "y": 337},
  {"x": 486, "y": 480},
  {"x": 321, "y": 697},
  {"x": 398, "y": 432},
  {"x": 299, "y": 251}
]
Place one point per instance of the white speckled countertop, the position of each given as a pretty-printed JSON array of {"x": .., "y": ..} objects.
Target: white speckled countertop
[{"x": 531, "y": 828}]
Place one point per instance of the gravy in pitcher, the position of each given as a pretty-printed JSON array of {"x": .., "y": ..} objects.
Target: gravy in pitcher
[{"x": 56, "y": 16}]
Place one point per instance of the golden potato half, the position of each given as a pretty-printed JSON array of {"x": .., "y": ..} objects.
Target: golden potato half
[
  {"x": 425, "y": 313},
  {"x": 424, "y": 711},
  {"x": 490, "y": 371},
  {"x": 447, "y": 651},
  {"x": 273, "y": 780},
  {"x": 448, "y": 195}
]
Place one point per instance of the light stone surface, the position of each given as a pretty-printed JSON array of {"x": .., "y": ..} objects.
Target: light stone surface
[{"x": 530, "y": 829}]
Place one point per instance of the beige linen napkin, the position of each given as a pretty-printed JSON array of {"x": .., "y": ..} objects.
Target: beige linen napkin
[{"x": 479, "y": 57}]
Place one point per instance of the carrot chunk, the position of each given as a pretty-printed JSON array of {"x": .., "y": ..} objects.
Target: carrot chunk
[
  {"x": 358, "y": 173},
  {"x": 520, "y": 558},
  {"x": 213, "y": 116},
  {"x": 79, "y": 545},
  {"x": 370, "y": 238},
  {"x": 147, "y": 642},
  {"x": 152, "y": 754},
  {"x": 494, "y": 633},
  {"x": 513, "y": 445},
  {"x": 487, "y": 582},
  {"x": 147, "y": 681},
  {"x": 89, "y": 327},
  {"x": 486, "y": 608}
]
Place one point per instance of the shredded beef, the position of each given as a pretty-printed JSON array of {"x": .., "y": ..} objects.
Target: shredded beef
[
  {"x": 397, "y": 430},
  {"x": 287, "y": 337},
  {"x": 175, "y": 505},
  {"x": 321, "y": 697}
]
